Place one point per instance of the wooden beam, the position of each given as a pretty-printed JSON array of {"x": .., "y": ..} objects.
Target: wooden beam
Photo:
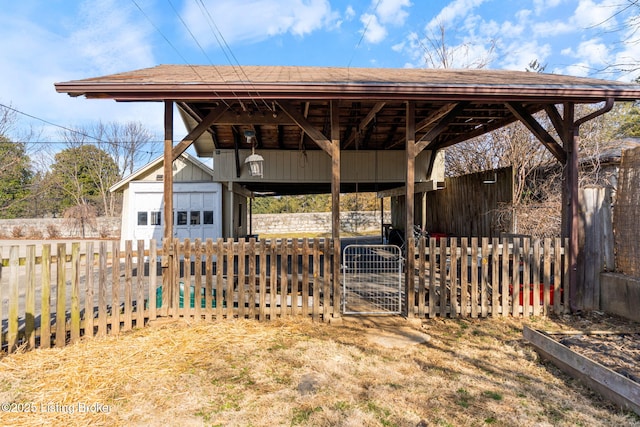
[
  {"x": 442, "y": 124},
  {"x": 197, "y": 132},
  {"x": 536, "y": 128},
  {"x": 365, "y": 122},
  {"x": 427, "y": 121},
  {"x": 317, "y": 136},
  {"x": 236, "y": 150}
]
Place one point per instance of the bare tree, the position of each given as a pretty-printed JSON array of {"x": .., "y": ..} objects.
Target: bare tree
[{"x": 439, "y": 54}]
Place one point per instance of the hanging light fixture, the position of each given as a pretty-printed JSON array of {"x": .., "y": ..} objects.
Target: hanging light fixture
[{"x": 255, "y": 161}]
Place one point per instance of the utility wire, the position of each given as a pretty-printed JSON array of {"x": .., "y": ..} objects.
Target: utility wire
[
  {"x": 75, "y": 131},
  {"x": 225, "y": 47},
  {"x": 175, "y": 49}
]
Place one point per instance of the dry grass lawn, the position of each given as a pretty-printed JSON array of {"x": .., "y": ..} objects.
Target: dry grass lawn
[{"x": 288, "y": 373}]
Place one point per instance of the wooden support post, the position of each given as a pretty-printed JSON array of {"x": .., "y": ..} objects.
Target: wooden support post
[
  {"x": 335, "y": 205},
  {"x": 409, "y": 204},
  {"x": 167, "y": 258},
  {"x": 570, "y": 200}
]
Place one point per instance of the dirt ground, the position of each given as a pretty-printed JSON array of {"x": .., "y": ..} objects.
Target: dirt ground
[{"x": 358, "y": 372}]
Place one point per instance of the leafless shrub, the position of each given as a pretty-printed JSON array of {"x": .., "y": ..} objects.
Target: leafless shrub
[
  {"x": 53, "y": 232},
  {"x": 17, "y": 232},
  {"x": 34, "y": 233},
  {"x": 81, "y": 216}
]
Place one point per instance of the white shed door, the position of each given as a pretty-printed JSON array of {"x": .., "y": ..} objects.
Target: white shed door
[{"x": 197, "y": 214}]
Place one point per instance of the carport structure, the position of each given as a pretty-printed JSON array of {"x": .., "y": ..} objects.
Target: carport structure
[{"x": 341, "y": 110}]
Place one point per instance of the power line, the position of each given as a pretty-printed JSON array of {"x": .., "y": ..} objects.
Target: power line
[
  {"x": 175, "y": 49},
  {"x": 50, "y": 123},
  {"x": 75, "y": 131}
]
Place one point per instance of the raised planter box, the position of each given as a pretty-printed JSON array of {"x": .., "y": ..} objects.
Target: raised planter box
[{"x": 611, "y": 385}]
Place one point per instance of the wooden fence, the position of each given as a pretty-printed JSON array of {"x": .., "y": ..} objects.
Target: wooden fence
[
  {"x": 52, "y": 295},
  {"x": 492, "y": 277}
]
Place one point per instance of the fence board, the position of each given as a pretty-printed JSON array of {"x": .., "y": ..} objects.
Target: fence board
[
  {"x": 30, "y": 298},
  {"x": 88, "y": 289},
  {"x": 102, "y": 290},
  {"x": 294, "y": 277},
  {"x": 443, "y": 276},
  {"x": 284, "y": 282},
  {"x": 432, "y": 278},
  {"x": 140, "y": 285},
  {"x": 484, "y": 266},
  {"x": 75, "y": 293},
  {"x": 197, "y": 279},
  {"x": 45, "y": 298},
  {"x": 474, "y": 277},
  {"x": 273, "y": 284},
  {"x": 515, "y": 282},
  {"x": 115, "y": 283},
  {"x": 14, "y": 293},
  {"x": 230, "y": 283},
  {"x": 153, "y": 278},
  {"x": 525, "y": 281},
  {"x": 495, "y": 277},
  {"x": 128, "y": 272},
  {"x": 464, "y": 276},
  {"x": 305, "y": 279},
  {"x": 505, "y": 280},
  {"x": 241, "y": 286},
  {"x": 251, "y": 279},
  {"x": 326, "y": 297},
  {"x": 208, "y": 279},
  {"x": 453, "y": 273},
  {"x": 316, "y": 280},
  {"x": 262, "y": 306},
  {"x": 535, "y": 274},
  {"x": 61, "y": 295},
  {"x": 546, "y": 276}
]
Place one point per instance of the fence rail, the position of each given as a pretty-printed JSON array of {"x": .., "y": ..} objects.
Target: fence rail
[{"x": 52, "y": 295}]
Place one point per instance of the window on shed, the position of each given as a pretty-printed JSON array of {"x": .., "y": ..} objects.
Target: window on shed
[
  {"x": 156, "y": 218},
  {"x": 182, "y": 218},
  {"x": 195, "y": 218},
  {"x": 207, "y": 217},
  {"x": 142, "y": 218}
]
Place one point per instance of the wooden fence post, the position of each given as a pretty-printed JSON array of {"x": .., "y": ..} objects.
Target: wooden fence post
[
  {"x": 14, "y": 294},
  {"x": 61, "y": 295},
  {"x": 30, "y": 298},
  {"x": 45, "y": 297}
]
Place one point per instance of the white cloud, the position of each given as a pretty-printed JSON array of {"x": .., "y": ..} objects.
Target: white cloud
[
  {"x": 109, "y": 39},
  {"x": 392, "y": 12},
  {"x": 373, "y": 31},
  {"x": 349, "y": 13},
  {"x": 255, "y": 20},
  {"x": 519, "y": 54},
  {"x": 589, "y": 14},
  {"x": 383, "y": 13},
  {"x": 454, "y": 11}
]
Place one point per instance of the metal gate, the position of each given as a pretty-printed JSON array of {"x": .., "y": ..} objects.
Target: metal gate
[{"x": 372, "y": 279}]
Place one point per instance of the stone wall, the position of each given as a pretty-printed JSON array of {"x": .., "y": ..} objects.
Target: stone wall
[
  {"x": 54, "y": 228},
  {"x": 316, "y": 222}
]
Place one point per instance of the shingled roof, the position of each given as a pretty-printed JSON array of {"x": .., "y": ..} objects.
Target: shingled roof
[{"x": 371, "y": 100}]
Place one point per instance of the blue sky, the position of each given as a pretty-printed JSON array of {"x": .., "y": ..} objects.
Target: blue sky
[{"x": 43, "y": 42}]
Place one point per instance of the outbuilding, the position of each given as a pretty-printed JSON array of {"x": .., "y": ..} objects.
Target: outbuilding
[{"x": 203, "y": 208}]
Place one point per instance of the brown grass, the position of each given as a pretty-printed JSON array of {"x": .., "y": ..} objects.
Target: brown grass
[{"x": 245, "y": 373}]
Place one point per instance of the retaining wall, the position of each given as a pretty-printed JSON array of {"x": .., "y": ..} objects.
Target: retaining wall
[{"x": 620, "y": 295}]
